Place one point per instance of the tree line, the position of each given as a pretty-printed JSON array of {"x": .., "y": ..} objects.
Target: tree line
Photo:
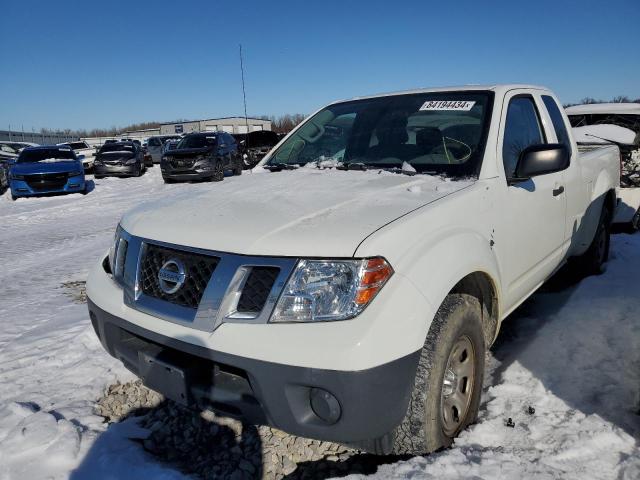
[{"x": 618, "y": 99}]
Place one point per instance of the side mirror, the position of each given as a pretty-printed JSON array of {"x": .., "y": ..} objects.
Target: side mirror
[
  {"x": 81, "y": 157},
  {"x": 540, "y": 160}
]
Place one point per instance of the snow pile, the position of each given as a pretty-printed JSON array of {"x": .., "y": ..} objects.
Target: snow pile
[
  {"x": 604, "y": 133},
  {"x": 573, "y": 355}
]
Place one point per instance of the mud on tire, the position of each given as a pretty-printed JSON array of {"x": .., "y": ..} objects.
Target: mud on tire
[{"x": 424, "y": 429}]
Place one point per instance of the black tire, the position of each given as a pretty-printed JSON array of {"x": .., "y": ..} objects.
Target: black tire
[
  {"x": 98, "y": 177},
  {"x": 218, "y": 172},
  {"x": 424, "y": 429},
  {"x": 13, "y": 197},
  {"x": 237, "y": 166},
  {"x": 593, "y": 261},
  {"x": 168, "y": 180},
  {"x": 635, "y": 221},
  {"x": 139, "y": 171}
]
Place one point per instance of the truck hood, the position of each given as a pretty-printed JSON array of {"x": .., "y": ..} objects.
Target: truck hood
[
  {"x": 306, "y": 212},
  {"x": 46, "y": 167}
]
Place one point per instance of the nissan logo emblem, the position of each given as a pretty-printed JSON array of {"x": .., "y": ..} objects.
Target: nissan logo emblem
[{"x": 171, "y": 276}]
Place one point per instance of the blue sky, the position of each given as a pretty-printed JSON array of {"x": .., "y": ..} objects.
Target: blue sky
[{"x": 72, "y": 64}]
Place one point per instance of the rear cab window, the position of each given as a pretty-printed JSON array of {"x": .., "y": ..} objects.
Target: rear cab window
[{"x": 558, "y": 122}]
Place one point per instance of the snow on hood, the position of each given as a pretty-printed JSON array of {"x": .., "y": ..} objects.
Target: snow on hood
[
  {"x": 305, "y": 212},
  {"x": 589, "y": 134}
]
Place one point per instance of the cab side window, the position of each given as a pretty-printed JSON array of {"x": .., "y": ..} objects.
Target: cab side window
[
  {"x": 522, "y": 129},
  {"x": 558, "y": 121}
]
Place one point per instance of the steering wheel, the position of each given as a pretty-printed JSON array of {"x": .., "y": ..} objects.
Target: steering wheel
[{"x": 455, "y": 151}]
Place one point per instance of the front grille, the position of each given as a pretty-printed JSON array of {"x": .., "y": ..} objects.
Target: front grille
[
  {"x": 180, "y": 163},
  {"x": 52, "y": 181},
  {"x": 256, "y": 289},
  {"x": 198, "y": 270}
]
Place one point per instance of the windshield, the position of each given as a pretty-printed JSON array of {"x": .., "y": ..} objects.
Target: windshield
[
  {"x": 46, "y": 155},
  {"x": 197, "y": 141},
  {"x": 441, "y": 132},
  {"x": 116, "y": 147},
  {"x": 78, "y": 145}
]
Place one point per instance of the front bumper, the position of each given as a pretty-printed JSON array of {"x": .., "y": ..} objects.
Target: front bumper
[
  {"x": 186, "y": 175},
  {"x": 115, "y": 170},
  {"x": 20, "y": 188},
  {"x": 348, "y": 406}
]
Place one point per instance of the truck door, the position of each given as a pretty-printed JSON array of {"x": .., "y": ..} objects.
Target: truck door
[{"x": 534, "y": 209}]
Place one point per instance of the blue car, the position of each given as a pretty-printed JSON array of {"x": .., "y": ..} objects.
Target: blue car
[{"x": 46, "y": 169}]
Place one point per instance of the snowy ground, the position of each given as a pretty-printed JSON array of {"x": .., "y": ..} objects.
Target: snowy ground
[{"x": 572, "y": 353}]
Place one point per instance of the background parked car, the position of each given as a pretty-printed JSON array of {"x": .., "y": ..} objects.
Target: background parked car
[
  {"x": 170, "y": 144},
  {"x": 202, "y": 156},
  {"x": 82, "y": 148},
  {"x": 8, "y": 155},
  {"x": 254, "y": 146},
  {"x": 47, "y": 169},
  {"x": 155, "y": 144},
  {"x": 123, "y": 159},
  {"x": 19, "y": 146},
  {"x": 4, "y": 179}
]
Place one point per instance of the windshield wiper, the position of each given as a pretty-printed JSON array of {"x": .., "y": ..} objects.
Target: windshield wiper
[
  {"x": 278, "y": 167},
  {"x": 352, "y": 166}
]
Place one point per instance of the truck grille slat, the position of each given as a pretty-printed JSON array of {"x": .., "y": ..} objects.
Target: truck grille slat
[
  {"x": 257, "y": 288},
  {"x": 198, "y": 268}
]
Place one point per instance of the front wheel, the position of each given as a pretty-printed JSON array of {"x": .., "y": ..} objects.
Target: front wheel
[
  {"x": 446, "y": 392},
  {"x": 237, "y": 166},
  {"x": 218, "y": 172}
]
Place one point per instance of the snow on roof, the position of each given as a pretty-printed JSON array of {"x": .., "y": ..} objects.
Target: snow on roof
[
  {"x": 604, "y": 108},
  {"x": 590, "y": 134}
]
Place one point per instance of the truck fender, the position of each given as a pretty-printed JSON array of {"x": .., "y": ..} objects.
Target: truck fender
[{"x": 453, "y": 256}]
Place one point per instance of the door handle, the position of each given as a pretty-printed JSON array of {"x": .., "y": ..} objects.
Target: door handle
[{"x": 558, "y": 191}]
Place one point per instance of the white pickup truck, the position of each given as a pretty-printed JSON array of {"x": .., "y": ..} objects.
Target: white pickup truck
[{"x": 349, "y": 287}]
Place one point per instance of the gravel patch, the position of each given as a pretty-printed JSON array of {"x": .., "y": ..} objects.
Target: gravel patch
[
  {"x": 76, "y": 290},
  {"x": 209, "y": 446}
]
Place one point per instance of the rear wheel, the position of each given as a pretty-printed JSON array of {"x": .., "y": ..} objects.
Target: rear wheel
[
  {"x": 448, "y": 383},
  {"x": 593, "y": 261},
  {"x": 168, "y": 180}
]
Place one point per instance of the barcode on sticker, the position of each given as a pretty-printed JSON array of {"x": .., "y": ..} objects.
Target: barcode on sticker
[{"x": 447, "y": 105}]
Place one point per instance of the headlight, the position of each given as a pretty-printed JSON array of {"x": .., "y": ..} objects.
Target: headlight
[
  {"x": 131, "y": 161},
  {"x": 75, "y": 174},
  {"x": 117, "y": 254},
  {"x": 328, "y": 290},
  {"x": 16, "y": 177}
]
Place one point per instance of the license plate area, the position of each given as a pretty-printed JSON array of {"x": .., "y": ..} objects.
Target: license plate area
[{"x": 165, "y": 377}]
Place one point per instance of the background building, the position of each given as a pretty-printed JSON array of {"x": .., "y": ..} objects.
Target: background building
[{"x": 226, "y": 124}]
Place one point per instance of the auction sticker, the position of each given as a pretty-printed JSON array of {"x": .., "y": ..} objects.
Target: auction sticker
[{"x": 464, "y": 106}]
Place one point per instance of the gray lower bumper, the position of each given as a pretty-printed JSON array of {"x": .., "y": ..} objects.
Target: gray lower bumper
[
  {"x": 341, "y": 406},
  {"x": 124, "y": 170}
]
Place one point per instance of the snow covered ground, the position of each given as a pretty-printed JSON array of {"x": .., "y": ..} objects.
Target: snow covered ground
[{"x": 572, "y": 353}]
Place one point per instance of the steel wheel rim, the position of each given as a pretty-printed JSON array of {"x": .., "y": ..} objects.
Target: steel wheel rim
[{"x": 457, "y": 385}]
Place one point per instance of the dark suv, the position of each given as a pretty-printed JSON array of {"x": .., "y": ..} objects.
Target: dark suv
[{"x": 202, "y": 156}]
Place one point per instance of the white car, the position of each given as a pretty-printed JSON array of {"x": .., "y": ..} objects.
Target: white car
[
  {"x": 348, "y": 289},
  {"x": 82, "y": 148}
]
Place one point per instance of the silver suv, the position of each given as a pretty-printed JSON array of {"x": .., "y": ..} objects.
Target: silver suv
[{"x": 155, "y": 144}]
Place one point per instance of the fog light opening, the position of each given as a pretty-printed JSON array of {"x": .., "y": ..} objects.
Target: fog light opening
[{"x": 325, "y": 405}]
